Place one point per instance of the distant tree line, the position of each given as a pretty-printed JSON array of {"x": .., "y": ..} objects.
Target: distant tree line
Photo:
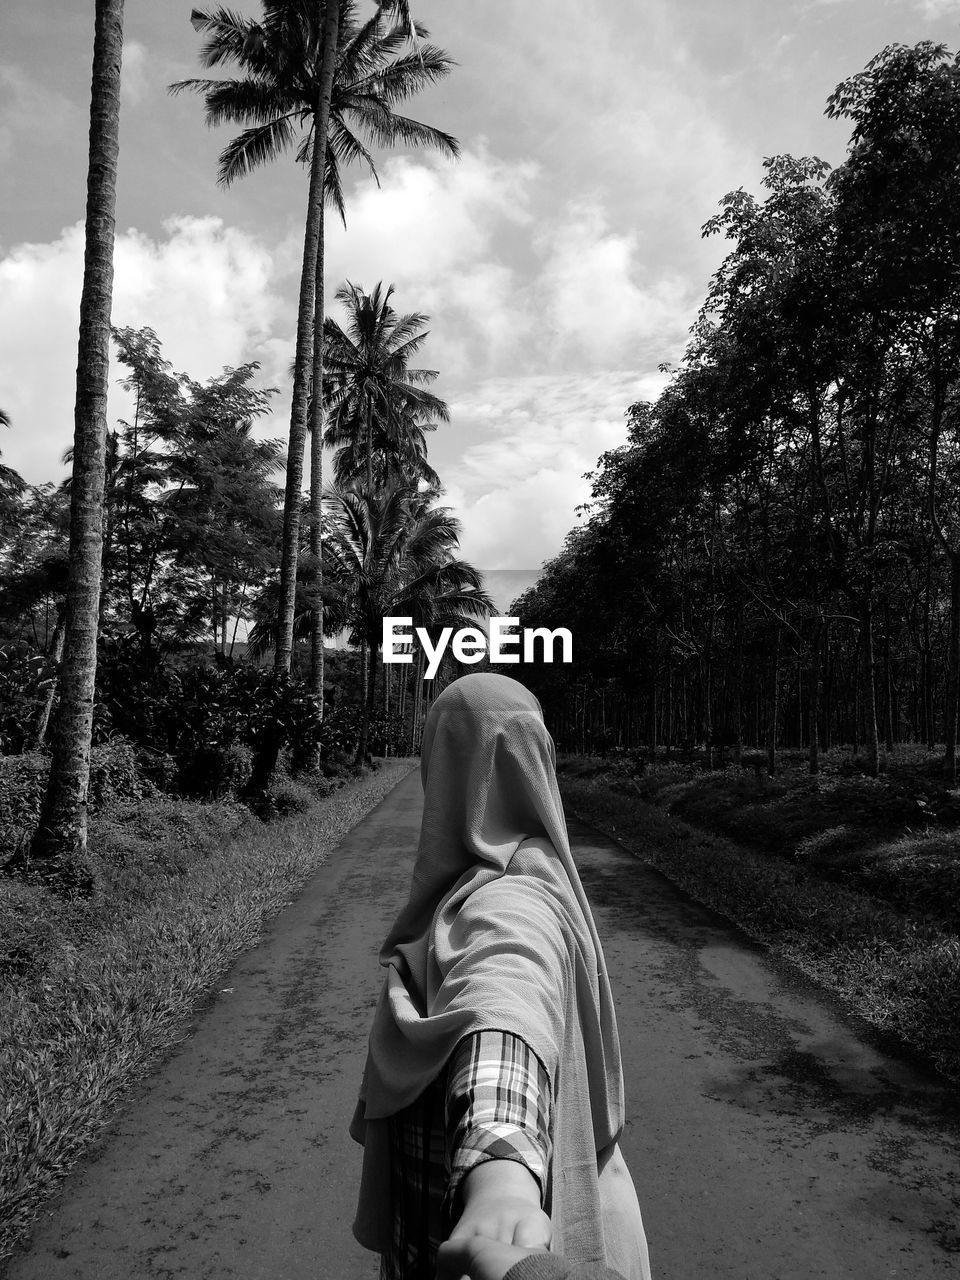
[{"x": 773, "y": 556}]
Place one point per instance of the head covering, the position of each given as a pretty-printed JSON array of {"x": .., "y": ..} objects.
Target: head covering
[{"x": 496, "y": 934}]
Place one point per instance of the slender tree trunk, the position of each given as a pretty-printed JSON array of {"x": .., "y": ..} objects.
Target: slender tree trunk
[
  {"x": 813, "y": 706},
  {"x": 738, "y": 692},
  {"x": 56, "y": 653},
  {"x": 60, "y": 843},
  {"x": 364, "y": 703},
  {"x": 887, "y": 682},
  {"x": 237, "y": 620},
  {"x": 953, "y": 675},
  {"x": 369, "y": 447},
  {"x": 316, "y": 482},
  {"x": 869, "y": 690},
  {"x": 774, "y": 705},
  {"x": 293, "y": 493}
]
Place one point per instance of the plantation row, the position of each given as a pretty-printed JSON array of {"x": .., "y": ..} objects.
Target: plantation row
[{"x": 774, "y": 555}]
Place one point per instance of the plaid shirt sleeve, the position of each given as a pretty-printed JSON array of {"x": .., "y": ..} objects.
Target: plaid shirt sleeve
[{"x": 497, "y": 1107}]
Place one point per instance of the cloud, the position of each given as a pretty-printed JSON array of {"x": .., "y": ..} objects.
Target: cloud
[
  {"x": 598, "y": 306},
  {"x": 209, "y": 291},
  {"x": 510, "y": 287},
  {"x": 449, "y": 236},
  {"x": 31, "y": 113},
  {"x": 932, "y": 10},
  {"x": 133, "y": 74},
  {"x": 517, "y": 488}
]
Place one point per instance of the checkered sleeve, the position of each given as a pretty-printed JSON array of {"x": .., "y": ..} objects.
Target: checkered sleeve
[{"x": 497, "y": 1107}]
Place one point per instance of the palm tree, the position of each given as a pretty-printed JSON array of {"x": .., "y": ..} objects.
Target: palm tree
[
  {"x": 401, "y": 457},
  {"x": 372, "y": 393},
  {"x": 12, "y": 485},
  {"x": 59, "y": 846},
  {"x": 313, "y": 71},
  {"x": 391, "y": 553}
]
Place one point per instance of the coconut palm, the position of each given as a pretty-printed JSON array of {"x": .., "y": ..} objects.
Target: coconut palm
[
  {"x": 372, "y": 393},
  {"x": 59, "y": 848},
  {"x": 391, "y": 553},
  {"x": 313, "y": 70},
  {"x": 12, "y": 485},
  {"x": 400, "y": 457}
]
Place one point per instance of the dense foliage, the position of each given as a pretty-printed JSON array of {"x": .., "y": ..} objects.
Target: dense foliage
[{"x": 773, "y": 556}]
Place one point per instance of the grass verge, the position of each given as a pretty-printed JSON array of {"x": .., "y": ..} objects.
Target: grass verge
[
  {"x": 91, "y": 995},
  {"x": 885, "y": 948}
]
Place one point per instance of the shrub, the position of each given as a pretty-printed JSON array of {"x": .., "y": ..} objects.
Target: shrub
[
  {"x": 115, "y": 773},
  {"x": 25, "y": 680},
  {"x": 23, "y": 780}
]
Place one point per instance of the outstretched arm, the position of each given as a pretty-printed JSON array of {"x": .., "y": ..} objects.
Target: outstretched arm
[{"x": 498, "y": 1137}]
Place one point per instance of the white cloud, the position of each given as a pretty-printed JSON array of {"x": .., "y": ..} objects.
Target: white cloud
[
  {"x": 597, "y": 304},
  {"x": 447, "y": 235},
  {"x": 133, "y": 73},
  {"x": 935, "y": 9},
  {"x": 517, "y": 488},
  {"x": 209, "y": 292}
]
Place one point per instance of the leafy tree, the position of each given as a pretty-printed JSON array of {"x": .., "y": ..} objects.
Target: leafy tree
[
  {"x": 193, "y": 515},
  {"x": 898, "y": 210}
]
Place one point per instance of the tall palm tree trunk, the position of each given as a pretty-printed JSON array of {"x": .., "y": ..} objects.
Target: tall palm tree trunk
[
  {"x": 316, "y": 483},
  {"x": 305, "y": 346},
  {"x": 60, "y": 843}
]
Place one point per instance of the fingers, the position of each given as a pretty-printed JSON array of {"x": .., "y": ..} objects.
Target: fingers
[
  {"x": 533, "y": 1233},
  {"x": 454, "y": 1259}
]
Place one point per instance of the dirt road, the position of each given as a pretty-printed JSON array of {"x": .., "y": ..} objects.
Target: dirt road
[{"x": 767, "y": 1140}]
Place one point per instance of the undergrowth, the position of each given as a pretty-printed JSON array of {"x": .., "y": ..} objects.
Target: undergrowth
[
  {"x": 855, "y": 879},
  {"x": 92, "y": 993}
]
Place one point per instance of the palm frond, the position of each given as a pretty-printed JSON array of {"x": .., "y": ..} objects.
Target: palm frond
[{"x": 252, "y": 148}]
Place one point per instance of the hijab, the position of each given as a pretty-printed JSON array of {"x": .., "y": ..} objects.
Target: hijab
[{"x": 497, "y": 934}]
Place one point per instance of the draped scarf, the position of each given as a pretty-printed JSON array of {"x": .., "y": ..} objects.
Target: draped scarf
[{"x": 497, "y": 934}]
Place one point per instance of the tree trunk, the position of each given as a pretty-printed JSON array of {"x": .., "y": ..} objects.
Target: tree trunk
[
  {"x": 60, "y": 845},
  {"x": 738, "y": 693},
  {"x": 316, "y": 481},
  {"x": 56, "y": 653},
  {"x": 813, "y": 711},
  {"x": 364, "y": 703},
  {"x": 774, "y": 705},
  {"x": 369, "y": 447},
  {"x": 887, "y": 682},
  {"x": 953, "y": 676},
  {"x": 293, "y": 493},
  {"x": 869, "y": 691}
]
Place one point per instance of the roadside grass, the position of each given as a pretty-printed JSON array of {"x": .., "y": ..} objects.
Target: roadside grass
[
  {"x": 853, "y": 879},
  {"x": 93, "y": 994}
]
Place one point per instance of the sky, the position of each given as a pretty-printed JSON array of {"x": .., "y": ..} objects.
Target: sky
[{"x": 560, "y": 259}]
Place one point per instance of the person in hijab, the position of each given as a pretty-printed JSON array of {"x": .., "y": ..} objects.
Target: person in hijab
[{"x": 492, "y": 1096}]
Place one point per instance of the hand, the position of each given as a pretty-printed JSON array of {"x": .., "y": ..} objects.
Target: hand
[
  {"x": 501, "y": 1201},
  {"x": 478, "y": 1258}
]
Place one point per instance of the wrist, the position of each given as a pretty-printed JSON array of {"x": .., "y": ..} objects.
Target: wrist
[{"x": 501, "y": 1178}]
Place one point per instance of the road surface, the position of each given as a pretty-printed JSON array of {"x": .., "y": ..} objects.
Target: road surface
[{"x": 767, "y": 1140}]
